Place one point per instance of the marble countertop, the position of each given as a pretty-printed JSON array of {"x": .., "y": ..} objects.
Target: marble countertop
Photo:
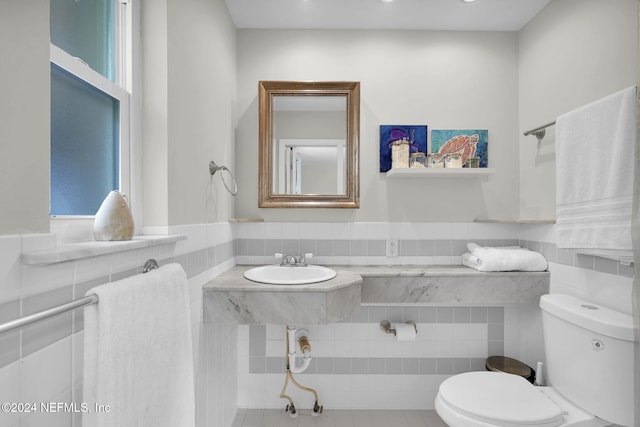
[
  {"x": 232, "y": 298},
  {"x": 233, "y": 280}
]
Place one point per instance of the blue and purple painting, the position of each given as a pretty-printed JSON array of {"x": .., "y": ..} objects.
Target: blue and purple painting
[
  {"x": 468, "y": 142},
  {"x": 415, "y": 135}
]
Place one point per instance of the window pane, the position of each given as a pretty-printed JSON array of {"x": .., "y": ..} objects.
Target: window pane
[
  {"x": 86, "y": 28},
  {"x": 84, "y": 145}
]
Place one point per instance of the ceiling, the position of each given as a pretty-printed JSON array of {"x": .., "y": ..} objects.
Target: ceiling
[{"x": 455, "y": 15}]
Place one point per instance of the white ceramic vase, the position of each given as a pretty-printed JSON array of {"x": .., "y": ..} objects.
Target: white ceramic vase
[{"x": 113, "y": 221}]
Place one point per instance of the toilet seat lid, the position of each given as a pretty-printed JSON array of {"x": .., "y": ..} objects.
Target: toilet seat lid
[{"x": 500, "y": 398}]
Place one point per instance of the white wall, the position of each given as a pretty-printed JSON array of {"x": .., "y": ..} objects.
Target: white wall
[
  {"x": 189, "y": 104},
  {"x": 155, "y": 106},
  {"x": 24, "y": 116},
  {"x": 202, "y": 104},
  {"x": 188, "y": 112},
  {"x": 442, "y": 79},
  {"x": 574, "y": 52}
]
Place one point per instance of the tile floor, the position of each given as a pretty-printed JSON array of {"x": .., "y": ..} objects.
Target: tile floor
[{"x": 337, "y": 418}]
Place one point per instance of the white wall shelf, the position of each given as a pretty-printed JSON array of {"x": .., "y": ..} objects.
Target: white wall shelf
[
  {"x": 514, "y": 221},
  {"x": 440, "y": 172}
]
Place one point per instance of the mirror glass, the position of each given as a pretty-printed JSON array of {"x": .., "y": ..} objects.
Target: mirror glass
[
  {"x": 308, "y": 144},
  {"x": 310, "y": 133}
]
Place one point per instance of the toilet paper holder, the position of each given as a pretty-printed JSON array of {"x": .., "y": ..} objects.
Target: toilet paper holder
[{"x": 385, "y": 325}]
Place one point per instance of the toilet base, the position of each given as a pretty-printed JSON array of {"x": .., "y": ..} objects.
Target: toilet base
[{"x": 573, "y": 416}]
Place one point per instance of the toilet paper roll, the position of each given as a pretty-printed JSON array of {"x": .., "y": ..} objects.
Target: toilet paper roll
[{"x": 404, "y": 332}]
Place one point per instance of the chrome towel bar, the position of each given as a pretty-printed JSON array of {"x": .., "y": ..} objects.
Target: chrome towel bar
[
  {"x": 539, "y": 132},
  {"x": 151, "y": 264}
]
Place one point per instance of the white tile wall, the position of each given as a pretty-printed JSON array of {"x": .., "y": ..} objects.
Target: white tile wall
[
  {"x": 522, "y": 340},
  {"x": 522, "y": 328},
  {"x": 595, "y": 279},
  {"x": 338, "y": 243},
  {"x": 46, "y": 374},
  {"x": 10, "y": 392},
  {"x": 54, "y": 373},
  {"x": 10, "y": 267},
  {"x": 220, "y": 401},
  {"x": 227, "y": 382},
  {"x": 610, "y": 290},
  {"x": 355, "y": 362}
]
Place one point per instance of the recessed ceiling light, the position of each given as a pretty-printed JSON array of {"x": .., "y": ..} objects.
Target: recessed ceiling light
[
  {"x": 386, "y": 1},
  {"x": 468, "y": 1}
]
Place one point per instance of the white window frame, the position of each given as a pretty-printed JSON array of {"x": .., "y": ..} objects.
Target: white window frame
[{"x": 71, "y": 228}]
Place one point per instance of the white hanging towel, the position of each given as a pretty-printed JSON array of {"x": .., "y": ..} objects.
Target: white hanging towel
[
  {"x": 594, "y": 167},
  {"x": 138, "y": 358}
]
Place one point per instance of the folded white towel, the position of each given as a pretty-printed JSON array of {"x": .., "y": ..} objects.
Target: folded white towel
[
  {"x": 594, "y": 172},
  {"x": 138, "y": 353},
  {"x": 503, "y": 259}
]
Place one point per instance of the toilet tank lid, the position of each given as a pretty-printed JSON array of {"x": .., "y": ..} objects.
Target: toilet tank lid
[{"x": 590, "y": 316}]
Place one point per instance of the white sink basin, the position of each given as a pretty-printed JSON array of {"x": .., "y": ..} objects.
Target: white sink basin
[{"x": 277, "y": 275}]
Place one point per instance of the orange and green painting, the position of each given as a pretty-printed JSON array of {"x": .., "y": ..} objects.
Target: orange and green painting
[{"x": 468, "y": 142}]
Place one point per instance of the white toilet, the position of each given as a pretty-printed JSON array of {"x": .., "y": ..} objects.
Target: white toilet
[{"x": 589, "y": 352}]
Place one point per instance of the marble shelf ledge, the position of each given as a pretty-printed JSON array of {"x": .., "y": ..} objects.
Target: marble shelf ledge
[
  {"x": 451, "y": 285},
  {"x": 230, "y": 298},
  {"x": 80, "y": 250}
]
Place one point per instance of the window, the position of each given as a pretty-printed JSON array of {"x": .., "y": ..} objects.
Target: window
[{"x": 89, "y": 103}]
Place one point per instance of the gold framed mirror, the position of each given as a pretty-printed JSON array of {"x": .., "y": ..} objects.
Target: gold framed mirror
[{"x": 308, "y": 144}]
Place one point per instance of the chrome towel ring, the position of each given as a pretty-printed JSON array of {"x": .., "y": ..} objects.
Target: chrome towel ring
[{"x": 213, "y": 168}]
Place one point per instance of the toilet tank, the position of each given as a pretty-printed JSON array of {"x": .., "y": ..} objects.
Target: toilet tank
[{"x": 589, "y": 352}]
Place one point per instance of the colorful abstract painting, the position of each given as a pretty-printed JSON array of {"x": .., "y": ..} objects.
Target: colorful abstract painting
[
  {"x": 415, "y": 135},
  {"x": 469, "y": 142}
]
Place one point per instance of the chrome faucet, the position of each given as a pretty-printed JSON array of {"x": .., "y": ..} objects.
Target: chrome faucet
[{"x": 293, "y": 260}]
